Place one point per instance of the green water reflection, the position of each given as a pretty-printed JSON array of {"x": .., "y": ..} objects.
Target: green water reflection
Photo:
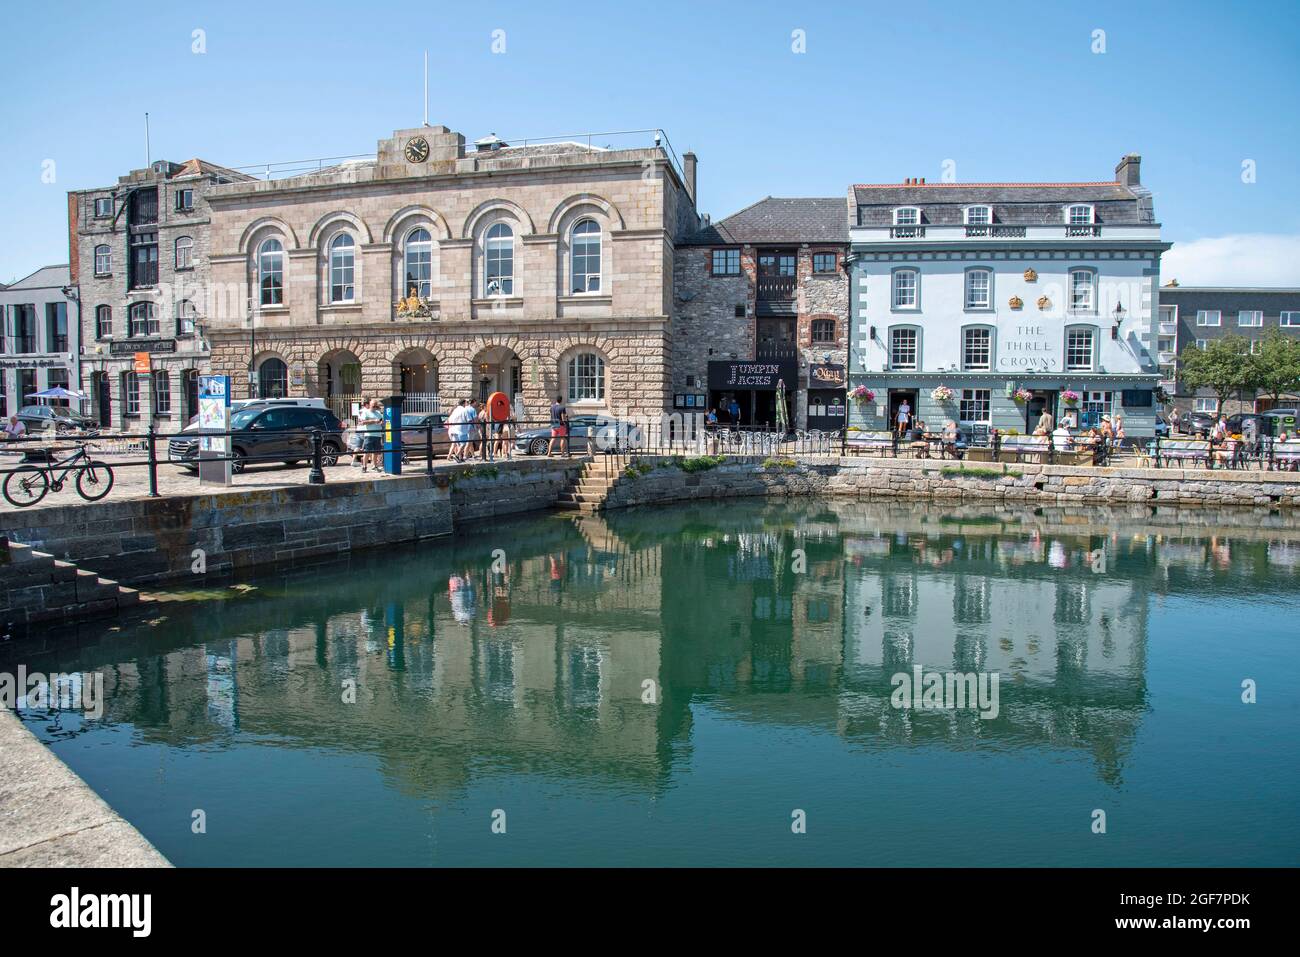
[{"x": 667, "y": 686}]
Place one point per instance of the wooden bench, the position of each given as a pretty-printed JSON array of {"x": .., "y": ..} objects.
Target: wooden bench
[
  {"x": 881, "y": 443},
  {"x": 1198, "y": 450},
  {"x": 1287, "y": 454}
]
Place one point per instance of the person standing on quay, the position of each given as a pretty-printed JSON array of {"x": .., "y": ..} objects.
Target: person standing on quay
[{"x": 559, "y": 427}]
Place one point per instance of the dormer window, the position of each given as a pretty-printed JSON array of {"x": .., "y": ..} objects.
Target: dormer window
[
  {"x": 979, "y": 215},
  {"x": 1079, "y": 215},
  {"x": 907, "y": 216}
]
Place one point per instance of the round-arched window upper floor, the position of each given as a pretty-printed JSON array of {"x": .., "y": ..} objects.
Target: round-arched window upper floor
[
  {"x": 585, "y": 257},
  {"x": 417, "y": 264},
  {"x": 270, "y": 272},
  {"x": 499, "y": 261},
  {"x": 342, "y": 268}
]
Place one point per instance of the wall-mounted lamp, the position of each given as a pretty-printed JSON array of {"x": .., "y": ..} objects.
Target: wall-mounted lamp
[
  {"x": 873, "y": 333},
  {"x": 1119, "y": 318}
]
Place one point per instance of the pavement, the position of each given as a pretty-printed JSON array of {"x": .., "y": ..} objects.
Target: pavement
[{"x": 49, "y": 817}]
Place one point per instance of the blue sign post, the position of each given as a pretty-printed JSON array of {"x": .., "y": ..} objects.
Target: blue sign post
[
  {"x": 393, "y": 435},
  {"x": 214, "y": 417}
]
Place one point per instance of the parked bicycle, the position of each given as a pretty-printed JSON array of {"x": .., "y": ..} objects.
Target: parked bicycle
[{"x": 29, "y": 483}]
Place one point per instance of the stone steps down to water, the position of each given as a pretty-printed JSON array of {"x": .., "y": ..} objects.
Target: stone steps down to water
[{"x": 35, "y": 586}]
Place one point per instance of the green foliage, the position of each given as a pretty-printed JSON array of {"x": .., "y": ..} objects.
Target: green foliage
[
  {"x": 1225, "y": 367},
  {"x": 780, "y": 464},
  {"x": 635, "y": 470},
  {"x": 475, "y": 471},
  {"x": 699, "y": 463},
  {"x": 975, "y": 471},
  {"x": 1277, "y": 364}
]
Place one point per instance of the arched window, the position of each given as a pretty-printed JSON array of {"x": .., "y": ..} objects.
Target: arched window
[
  {"x": 272, "y": 379},
  {"x": 342, "y": 266},
  {"x": 184, "y": 252},
  {"x": 103, "y": 260},
  {"x": 185, "y": 314},
  {"x": 586, "y": 377},
  {"x": 270, "y": 272},
  {"x": 103, "y": 322},
  {"x": 499, "y": 261},
  {"x": 143, "y": 320},
  {"x": 418, "y": 263},
  {"x": 585, "y": 256}
]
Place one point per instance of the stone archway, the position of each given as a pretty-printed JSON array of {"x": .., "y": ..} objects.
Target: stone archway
[
  {"x": 338, "y": 380},
  {"x": 415, "y": 372},
  {"x": 497, "y": 369}
]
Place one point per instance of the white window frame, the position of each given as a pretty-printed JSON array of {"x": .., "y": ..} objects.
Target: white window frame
[
  {"x": 106, "y": 204},
  {"x": 912, "y": 217},
  {"x": 585, "y": 377},
  {"x": 902, "y": 332},
  {"x": 1088, "y": 218},
  {"x": 499, "y": 252},
  {"x": 270, "y": 265},
  {"x": 1090, "y": 306},
  {"x": 1256, "y": 314},
  {"x": 1289, "y": 318},
  {"x": 343, "y": 268},
  {"x": 161, "y": 384},
  {"x": 1102, "y": 402},
  {"x": 1203, "y": 317},
  {"x": 987, "y": 333},
  {"x": 585, "y": 265},
  {"x": 102, "y": 331},
  {"x": 186, "y": 314},
  {"x": 975, "y": 400},
  {"x": 1203, "y": 404},
  {"x": 971, "y": 303},
  {"x": 103, "y": 260},
  {"x": 150, "y": 322},
  {"x": 986, "y": 215},
  {"x": 185, "y": 243},
  {"x": 131, "y": 392},
  {"x": 915, "y": 302},
  {"x": 1070, "y": 333},
  {"x": 417, "y": 254},
  {"x": 1202, "y": 344},
  {"x": 182, "y": 205}
]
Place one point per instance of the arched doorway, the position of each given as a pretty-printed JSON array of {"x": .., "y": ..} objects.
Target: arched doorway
[
  {"x": 339, "y": 378},
  {"x": 498, "y": 369},
  {"x": 415, "y": 376}
]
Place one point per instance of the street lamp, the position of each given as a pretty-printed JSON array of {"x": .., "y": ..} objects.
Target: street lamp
[{"x": 1119, "y": 318}]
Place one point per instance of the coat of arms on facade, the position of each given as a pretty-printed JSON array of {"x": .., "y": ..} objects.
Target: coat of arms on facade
[
  {"x": 1031, "y": 276},
  {"x": 1015, "y": 302},
  {"x": 413, "y": 307},
  {"x": 1044, "y": 303}
]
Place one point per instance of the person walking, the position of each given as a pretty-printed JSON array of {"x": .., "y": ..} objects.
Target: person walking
[
  {"x": 559, "y": 427},
  {"x": 369, "y": 423},
  {"x": 456, "y": 432},
  {"x": 904, "y": 417},
  {"x": 474, "y": 428},
  {"x": 733, "y": 411},
  {"x": 1173, "y": 422},
  {"x": 1046, "y": 423}
]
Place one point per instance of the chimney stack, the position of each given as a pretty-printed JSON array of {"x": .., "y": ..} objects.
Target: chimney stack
[
  {"x": 1129, "y": 170},
  {"x": 689, "y": 162}
]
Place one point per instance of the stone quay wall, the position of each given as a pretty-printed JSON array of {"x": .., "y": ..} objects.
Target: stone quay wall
[
  {"x": 149, "y": 541},
  {"x": 936, "y": 479}
]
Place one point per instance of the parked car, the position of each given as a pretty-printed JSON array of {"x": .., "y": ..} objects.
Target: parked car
[
  {"x": 1199, "y": 422},
  {"x": 415, "y": 429},
  {"x": 601, "y": 432},
  {"x": 237, "y": 405},
  {"x": 264, "y": 433},
  {"x": 1162, "y": 427},
  {"x": 54, "y": 418}
]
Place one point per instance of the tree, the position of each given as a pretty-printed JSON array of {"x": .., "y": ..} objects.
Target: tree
[
  {"x": 1225, "y": 366},
  {"x": 1277, "y": 365}
]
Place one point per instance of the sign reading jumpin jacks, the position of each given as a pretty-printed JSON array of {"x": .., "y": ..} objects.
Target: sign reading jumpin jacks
[{"x": 214, "y": 416}]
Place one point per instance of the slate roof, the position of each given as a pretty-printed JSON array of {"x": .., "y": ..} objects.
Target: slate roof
[
  {"x": 777, "y": 220},
  {"x": 47, "y": 277},
  {"x": 1029, "y": 204}
]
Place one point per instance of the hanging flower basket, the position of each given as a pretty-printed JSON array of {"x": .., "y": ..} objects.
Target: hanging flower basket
[
  {"x": 941, "y": 394},
  {"x": 1022, "y": 395},
  {"x": 862, "y": 395},
  {"x": 1069, "y": 397}
]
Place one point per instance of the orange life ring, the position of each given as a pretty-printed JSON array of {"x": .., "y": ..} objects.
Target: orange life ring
[{"x": 498, "y": 407}]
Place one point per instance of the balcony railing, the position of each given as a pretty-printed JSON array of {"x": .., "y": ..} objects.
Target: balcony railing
[
  {"x": 1082, "y": 229},
  {"x": 906, "y": 232},
  {"x": 776, "y": 350},
  {"x": 1167, "y": 358},
  {"x": 995, "y": 230},
  {"x": 776, "y": 288},
  {"x": 1169, "y": 328}
]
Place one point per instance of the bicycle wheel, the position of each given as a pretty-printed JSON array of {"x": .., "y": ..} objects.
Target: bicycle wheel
[
  {"x": 94, "y": 481},
  {"x": 26, "y": 486}
]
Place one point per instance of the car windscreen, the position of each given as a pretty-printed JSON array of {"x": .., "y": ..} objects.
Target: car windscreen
[{"x": 242, "y": 418}]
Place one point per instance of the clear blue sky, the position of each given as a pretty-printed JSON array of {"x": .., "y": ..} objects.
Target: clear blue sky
[{"x": 1009, "y": 91}]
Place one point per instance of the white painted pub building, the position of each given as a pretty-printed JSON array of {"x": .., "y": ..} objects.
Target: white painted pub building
[{"x": 1012, "y": 295}]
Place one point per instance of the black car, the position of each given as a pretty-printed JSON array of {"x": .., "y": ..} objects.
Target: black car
[
  {"x": 1198, "y": 422},
  {"x": 38, "y": 418},
  {"x": 277, "y": 433}
]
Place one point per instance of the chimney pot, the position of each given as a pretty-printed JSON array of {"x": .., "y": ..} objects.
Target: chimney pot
[{"x": 1129, "y": 170}]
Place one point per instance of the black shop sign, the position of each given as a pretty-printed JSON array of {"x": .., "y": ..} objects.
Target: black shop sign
[{"x": 733, "y": 375}]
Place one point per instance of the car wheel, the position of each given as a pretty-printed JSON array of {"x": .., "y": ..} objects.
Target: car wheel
[
  {"x": 240, "y": 462},
  {"x": 329, "y": 454},
  {"x": 537, "y": 447}
]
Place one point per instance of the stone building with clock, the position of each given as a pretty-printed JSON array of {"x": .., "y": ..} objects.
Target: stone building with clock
[
  {"x": 988, "y": 303},
  {"x": 439, "y": 271},
  {"x": 140, "y": 268}
]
